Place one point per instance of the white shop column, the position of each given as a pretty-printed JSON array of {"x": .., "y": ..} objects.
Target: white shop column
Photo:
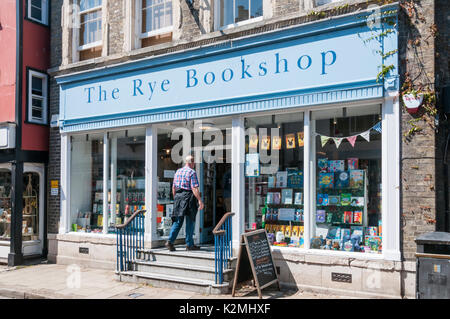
[
  {"x": 390, "y": 191},
  {"x": 237, "y": 178},
  {"x": 65, "y": 185},
  {"x": 151, "y": 182},
  {"x": 105, "y": 182}
]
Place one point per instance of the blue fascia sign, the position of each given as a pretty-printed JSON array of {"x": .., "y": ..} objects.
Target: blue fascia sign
[{"x": 275, "y": 66}]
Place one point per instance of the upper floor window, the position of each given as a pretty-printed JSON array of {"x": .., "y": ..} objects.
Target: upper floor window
[
  {"x": 38, "y": 11},
  {"x": 236, "y": 12},
  {"x": 156, "y": 22},
  {"x": 90, "y": 35},
  {"x": 37, "y": 97}
]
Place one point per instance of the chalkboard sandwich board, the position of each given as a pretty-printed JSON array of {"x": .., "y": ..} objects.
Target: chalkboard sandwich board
[{"x": 255, "y": 261}]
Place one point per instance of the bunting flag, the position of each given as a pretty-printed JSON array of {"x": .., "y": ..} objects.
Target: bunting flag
[
  {"x": 337, "y": 141},
  {"x": 352, "y": 140},
  {"x": 377, "y": 127},
  {"x": 366, "y": 135},
  {"x": 324, "y": 139}
]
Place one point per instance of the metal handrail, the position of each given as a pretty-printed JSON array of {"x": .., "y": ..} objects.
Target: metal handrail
[
  {"x": 223, "y": 247},
  {"x": 130, "y": 239}
]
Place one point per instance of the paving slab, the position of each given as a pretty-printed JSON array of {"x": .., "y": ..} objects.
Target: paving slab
[{"x": 56, "y": 281}]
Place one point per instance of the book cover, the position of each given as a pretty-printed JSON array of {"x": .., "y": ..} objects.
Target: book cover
[
  {"x": 357, "y": 230},
  {"x": 275, "y": 215},
  {"x": 332, "y": 232},
  {"x": 322, "y": 165},
  {"x": 295, "y": 231},
  {"x": 374, "y": 242},
  {"x": 290, "y": 141},
  {"x": 322, "y": 231},
  {"x": 294, "y": 178},
  {"x": 286, "y": 196},
  {"x": 320, "y": 216},
  {"x": 276, "y": 198},
  {"x": 271, "y": 182},
  {"x": 269, "y": 198},
  {"x": 352, "y": 163},
  {"x": 286, "y": 214},
  {"x": 298, "y": 198},
  {"x": 281, "y": 180},
  {"x": 336, "y": 166},
  {"x": 372, "y": 231},
  {"x": 265, "y": 142},
  {"x": 357, "y": 201},
  {"x": 334, "y": 200},
  {"x": 345, "y": 199},
  {"x": 348, "y": 217},
  {"x": 253, "y": 141},
  {"x": 268, "y": 216},
  {"x": 357, "y": 217},
  {"x": 326, "y": 180},
  {"x": 342, "y": 179},
  {"x": 300, "y": 139},
  {"x": 287, "y": 231},
  {"x": 276, "y": 142},
  {"x": 380, "y": 228},
  {"x": 322, "y": 199},
  {"x": 356, "y": 178},
  {"x": 345, "y": 232},
  {"x": 298, "y": 215}
]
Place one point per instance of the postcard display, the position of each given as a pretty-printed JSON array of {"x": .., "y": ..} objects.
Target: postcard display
[{"x": 341, "y": 209}]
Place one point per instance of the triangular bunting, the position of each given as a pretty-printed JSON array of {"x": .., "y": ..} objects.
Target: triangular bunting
[
  {"x": 352, "y": 140},
  {"x": 366, "y": 135},
  {"x": 324, "y": 140},
  {"x": 337, "y": 141},
  {"x": 377, "y": 127}
]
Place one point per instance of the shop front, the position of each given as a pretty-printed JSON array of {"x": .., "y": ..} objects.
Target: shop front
[
  {"x": 294, "y": 131},
  {"x": 33, "y": 210}
]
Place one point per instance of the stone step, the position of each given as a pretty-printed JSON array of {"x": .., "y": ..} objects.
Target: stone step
[
  {"x": 174, "y": 282},
  {"x": 181, "y": 256},
  {"x": 181, "y": 269}
]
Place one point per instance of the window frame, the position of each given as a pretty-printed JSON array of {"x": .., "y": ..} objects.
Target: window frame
[
  {"x": 45, "y": 8},
  {"x": 143, "y": 35},
  {"x": 82, "y": 47},
  {"x": 217, "y": 26},
  {"x": 45, "y": 97}
]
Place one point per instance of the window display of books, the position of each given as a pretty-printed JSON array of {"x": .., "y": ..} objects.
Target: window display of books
[
  {"x": 341, "y": 208},
  {"x": 281, "y": 209}
]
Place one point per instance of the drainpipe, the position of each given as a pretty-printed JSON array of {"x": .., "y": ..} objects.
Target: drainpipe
[{"x": 15, "y": 256}]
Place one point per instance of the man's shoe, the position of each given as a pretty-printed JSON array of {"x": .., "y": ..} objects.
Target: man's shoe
[
  {"x": 170, "y": 246},
  {"x": 193, "y": 248}
]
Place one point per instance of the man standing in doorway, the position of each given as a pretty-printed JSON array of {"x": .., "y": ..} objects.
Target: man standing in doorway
[{"x": 187, "y": 201}]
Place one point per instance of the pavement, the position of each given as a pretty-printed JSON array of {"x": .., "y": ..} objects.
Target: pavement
[{"x": 54, "y": 281}]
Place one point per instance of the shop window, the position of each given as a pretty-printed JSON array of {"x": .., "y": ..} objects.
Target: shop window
[
  {"x": 126, "y": 184},
  {"x": 37, "y": 97},
  {"x": 38, "y": 11},
  {"x": 5, "y": 204},
  {"x": 236, "y": 12},
  {"x": 274, "y": 177},
  {"x": 155, "y": 22},
  {"x": 346, "y": 213},
  {"x": 90, "y": 32},
  {"x": 126, "y": 179},
  {"x": 30, "y": 216},
  {"x": 86, "y": 183}
]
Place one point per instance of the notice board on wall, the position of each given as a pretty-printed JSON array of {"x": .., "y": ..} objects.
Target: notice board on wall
[{"x": 255, "y": 261}]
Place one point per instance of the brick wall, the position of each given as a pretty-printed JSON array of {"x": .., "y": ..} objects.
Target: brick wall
[{"x": 422, "y": 201}]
